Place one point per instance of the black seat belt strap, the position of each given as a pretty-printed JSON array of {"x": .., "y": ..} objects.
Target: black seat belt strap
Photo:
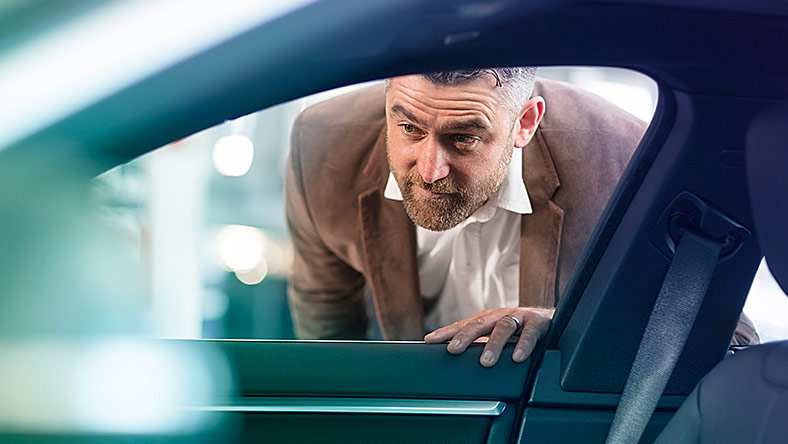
[{"x": 669, "y": 325}]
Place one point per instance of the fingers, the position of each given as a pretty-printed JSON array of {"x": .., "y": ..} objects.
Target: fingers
[
  {"x": 504, "y": 329},
  {"x": 450, "y": 331},
  {"x": 536, "y": 326},
  {"x": 471, "y": 330},
  {"x": 443, "y": 333},
  {"x": 500, "y": 327}
]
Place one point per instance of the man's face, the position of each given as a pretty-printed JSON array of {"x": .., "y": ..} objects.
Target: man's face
[{"x": 448, "y": 147}]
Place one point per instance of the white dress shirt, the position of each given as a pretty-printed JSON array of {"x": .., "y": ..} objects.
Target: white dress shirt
[{"x": 475, "y": 265}]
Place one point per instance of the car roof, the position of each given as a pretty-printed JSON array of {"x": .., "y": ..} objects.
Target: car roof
[{"x": 333, "y": 43}]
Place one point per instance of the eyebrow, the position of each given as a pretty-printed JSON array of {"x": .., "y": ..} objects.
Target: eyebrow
[
  {"x": 399, "y": 109},
  {"x": 472, "y": 124}
]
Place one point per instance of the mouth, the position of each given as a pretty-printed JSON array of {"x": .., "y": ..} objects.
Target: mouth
[{"x": 431, "y": 194}]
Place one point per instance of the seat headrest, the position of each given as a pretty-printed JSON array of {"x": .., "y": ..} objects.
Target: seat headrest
[{"x": 767, "y": 177}]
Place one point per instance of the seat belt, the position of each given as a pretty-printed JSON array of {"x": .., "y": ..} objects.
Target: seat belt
[{"x": 668, "y": 327}]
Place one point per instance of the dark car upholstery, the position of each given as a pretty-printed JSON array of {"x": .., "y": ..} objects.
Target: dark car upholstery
[{"x": 745, "y": 397}]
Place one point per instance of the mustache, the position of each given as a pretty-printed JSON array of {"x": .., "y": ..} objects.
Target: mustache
[{"x": 447, "y": 185}]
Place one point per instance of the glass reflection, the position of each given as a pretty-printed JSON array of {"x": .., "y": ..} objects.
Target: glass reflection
[{"x": 75, "y": 358}]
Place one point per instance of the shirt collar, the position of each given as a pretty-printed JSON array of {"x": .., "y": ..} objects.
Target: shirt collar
[{"x": 511, "y": 196}]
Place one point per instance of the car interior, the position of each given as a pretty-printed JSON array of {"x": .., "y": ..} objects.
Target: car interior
[
  {"x": 639, "y": 348},
  {"x": 742, "y": 398}
]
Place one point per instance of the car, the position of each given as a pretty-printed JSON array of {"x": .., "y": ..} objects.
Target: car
[{"x": 77, "y": 365}]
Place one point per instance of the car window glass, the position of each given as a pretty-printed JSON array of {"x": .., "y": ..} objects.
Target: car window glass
[
  {"x": 205, "y": 215},
  {"x": 767, "y": 306}
]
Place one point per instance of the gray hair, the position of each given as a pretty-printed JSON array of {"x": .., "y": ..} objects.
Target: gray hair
[{"x": 517, "y": 82}]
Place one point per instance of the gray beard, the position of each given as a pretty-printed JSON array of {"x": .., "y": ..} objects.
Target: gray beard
[{"x": 447, "y": 212}]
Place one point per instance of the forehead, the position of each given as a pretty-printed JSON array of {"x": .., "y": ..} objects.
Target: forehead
[{"x": 476, "y": 99}]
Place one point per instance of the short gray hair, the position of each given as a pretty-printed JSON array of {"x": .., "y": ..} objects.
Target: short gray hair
[{"x": 517, "y": 82}]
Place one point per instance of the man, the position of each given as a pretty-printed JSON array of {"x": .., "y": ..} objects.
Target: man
[{"x": 502, "y": 192}]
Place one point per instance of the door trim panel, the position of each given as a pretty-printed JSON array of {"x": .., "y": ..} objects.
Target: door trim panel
[{"x": 357, "y": 405}]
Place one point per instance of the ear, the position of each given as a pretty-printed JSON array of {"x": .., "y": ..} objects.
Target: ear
[{"x": 528, "y": 120}]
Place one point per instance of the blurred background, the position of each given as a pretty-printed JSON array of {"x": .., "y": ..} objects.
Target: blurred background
[{"x": 77, "y": 362}]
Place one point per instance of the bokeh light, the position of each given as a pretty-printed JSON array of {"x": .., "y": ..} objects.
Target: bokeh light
[
  {"x": 233, "y": 155},
  {"x": 255, "y": 275},
  {"x": 240, "y": 247},
  {"x": 133, "y": 386}
]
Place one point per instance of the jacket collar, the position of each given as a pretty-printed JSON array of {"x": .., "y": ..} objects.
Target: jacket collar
[{"x": 540, "y": 232}]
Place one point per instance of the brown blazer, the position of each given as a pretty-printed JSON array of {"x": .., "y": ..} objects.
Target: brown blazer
[{"x": 346, "y": 234}]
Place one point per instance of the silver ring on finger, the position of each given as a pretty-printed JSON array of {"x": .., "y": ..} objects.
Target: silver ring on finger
[{"x": 516, "y": 322}]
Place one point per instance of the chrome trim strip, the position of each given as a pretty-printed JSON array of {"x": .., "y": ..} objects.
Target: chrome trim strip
[
  {"x": 291, "y": 341},
  {"x": 358, "y": 406}
]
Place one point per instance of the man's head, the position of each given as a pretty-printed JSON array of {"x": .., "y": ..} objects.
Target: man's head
[{"x": 450, "y": 137}]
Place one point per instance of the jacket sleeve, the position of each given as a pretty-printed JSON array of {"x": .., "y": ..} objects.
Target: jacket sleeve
[{"x": 326, "y": 295}]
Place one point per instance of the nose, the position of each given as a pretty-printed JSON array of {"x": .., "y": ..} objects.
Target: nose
[{"x": 432, "y": 162}]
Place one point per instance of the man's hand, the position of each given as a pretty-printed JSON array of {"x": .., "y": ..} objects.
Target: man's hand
[{"x": 500, "y": 326}]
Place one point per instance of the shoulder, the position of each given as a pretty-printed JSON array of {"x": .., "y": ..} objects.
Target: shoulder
[
  {"x": 333, "y": 142},
  {"x": 587, "y": 136},
  {"x": 571, "y": 109},
  {"x": 339, "y": 134},
  {"x": 362, "y": 107}
]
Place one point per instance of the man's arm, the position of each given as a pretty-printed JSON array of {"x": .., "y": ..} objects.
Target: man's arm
[{"x": 325, "y": 294}]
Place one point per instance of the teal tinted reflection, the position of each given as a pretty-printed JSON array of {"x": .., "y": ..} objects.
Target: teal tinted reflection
[{"x": 74, "y": 358}]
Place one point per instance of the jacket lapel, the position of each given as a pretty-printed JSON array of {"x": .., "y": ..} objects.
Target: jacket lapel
[
  {"x": 389, "y": 248},
  {"x": 540, "y": 232}
]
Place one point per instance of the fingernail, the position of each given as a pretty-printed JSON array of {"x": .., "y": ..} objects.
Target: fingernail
[
  {"x": 518, "y": 356},
  {"x": 454, "y": 344},
  {"x": 487, "y": 357}
]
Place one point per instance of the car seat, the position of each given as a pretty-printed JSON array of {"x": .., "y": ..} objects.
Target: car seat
[{"x": 744, "y": 399}]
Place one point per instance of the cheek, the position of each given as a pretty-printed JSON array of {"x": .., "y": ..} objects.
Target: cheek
[
  {"x": 401, "y": 156},
  {"x": 465, "y": 172},
  {"x": 474, "y": 170}
]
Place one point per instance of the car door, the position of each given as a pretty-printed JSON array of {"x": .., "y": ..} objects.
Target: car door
[{"x": 313, "y": 391}]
